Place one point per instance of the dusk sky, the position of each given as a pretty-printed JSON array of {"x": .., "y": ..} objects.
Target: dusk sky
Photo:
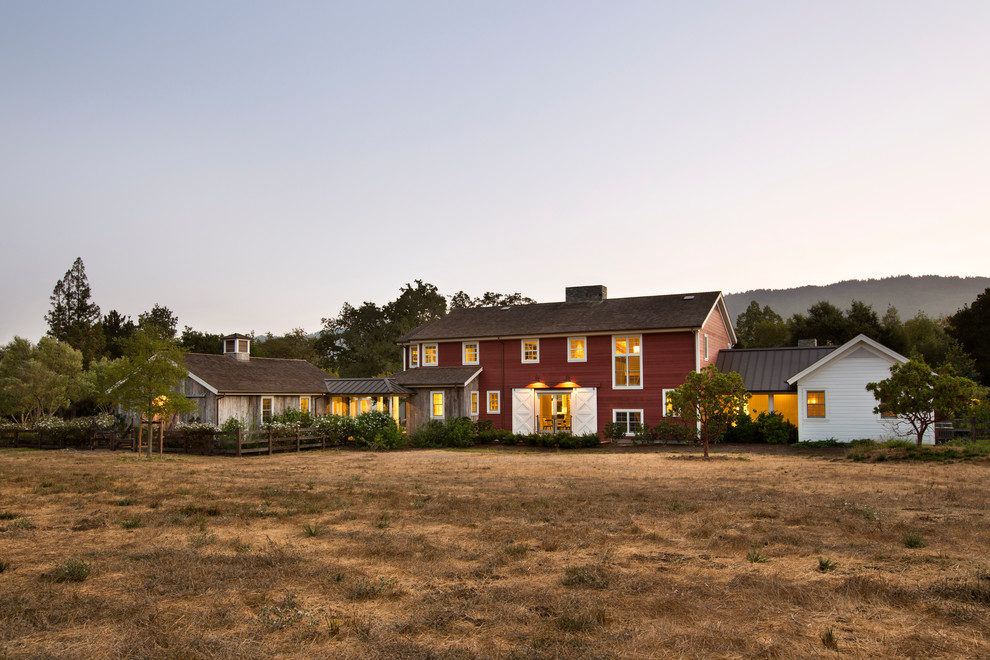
[{"x": 254, "y": 165}]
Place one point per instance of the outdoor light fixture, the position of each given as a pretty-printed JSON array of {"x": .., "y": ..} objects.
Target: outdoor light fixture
[
  {"x": 567, "y": 384},
  {"x": 537, "y": 384}
]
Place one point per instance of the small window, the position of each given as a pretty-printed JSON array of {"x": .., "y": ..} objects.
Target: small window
[
  {"x": 665, "y": 409},
  {"x": 474, "y": 403},
  {"x": 242, "y": 345},
  {"x": 413, "y": 357},
  {"x": 885, "y": 414},
  {"x": 627, "y": 359},
  {"x": 267, "y": 405},
  {"x": 531, "y": 350},
  {"x": 629, "y": 420},
  {"x": 429, "y": 355},
  {"x": 304, "y": 402},
  {"x": 816, "y": 403},
  {"x": 494, "y": 402},
  {"x": 576, "y": 350},
  {"x": 470, "y": 352},
  {"x": 706, "y": 347},
  {"x": 436, "y": 405},
  {"x": 230, "y": 346}
]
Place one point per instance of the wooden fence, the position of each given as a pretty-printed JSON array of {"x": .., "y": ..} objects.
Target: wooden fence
[
  {"x": 963, "y": 429},
  {"x": 241, "y": 443}
]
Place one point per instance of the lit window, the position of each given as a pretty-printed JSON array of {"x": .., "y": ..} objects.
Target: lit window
[
  {"x": 816, "y": 404},
  {"x": 629, "y": 420},
  {"x": 474, "y": 403},
  {"x": 493, "y": 402},
  {"x": 666, "y": 410},
  {"x": 575, "y": 350},
  {"x": 413, "y": 356},
  {"x": 470, "y": 352},
  {"x": 304, "y": 404},
  {"x": 436, "y": 405},
  {"x": 338, "y": 407},
  {"x": 530, "y": 350},
  {"x": 429, "y": 355},
  {"x": 627, "y": 359},
  {"x": 267, "y": 403}
]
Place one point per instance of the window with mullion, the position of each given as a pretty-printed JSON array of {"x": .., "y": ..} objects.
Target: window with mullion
[{"x": 627, "y": 360}]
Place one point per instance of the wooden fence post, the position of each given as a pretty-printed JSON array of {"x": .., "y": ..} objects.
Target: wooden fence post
[
  {"x": 297, "y": 439},
  {"x": 238, "y": 441},
  {"x": 269, "y": 441}
]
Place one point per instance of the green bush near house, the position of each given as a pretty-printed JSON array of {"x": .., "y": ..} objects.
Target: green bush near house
[
  {"x": 768, "y": 428},
  {"x": 338, "y": 428},
  {"x": 377, "y": 430}
]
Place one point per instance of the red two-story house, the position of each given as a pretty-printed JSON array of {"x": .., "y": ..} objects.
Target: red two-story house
[{"x": 570, "y": 366}]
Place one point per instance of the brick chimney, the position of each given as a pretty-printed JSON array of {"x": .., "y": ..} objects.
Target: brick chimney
[{"x": 596, "y": 293}]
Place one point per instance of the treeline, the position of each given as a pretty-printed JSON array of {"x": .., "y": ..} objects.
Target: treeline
[{"x": 958, "y": 341}]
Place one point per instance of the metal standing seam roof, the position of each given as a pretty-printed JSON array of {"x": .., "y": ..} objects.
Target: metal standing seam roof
[
  {"x": 681, "y": 310},
  {"x": 365, "y": 387},
  {"x": 767, "y": 369},
  {"x": 437, "y": 376}
]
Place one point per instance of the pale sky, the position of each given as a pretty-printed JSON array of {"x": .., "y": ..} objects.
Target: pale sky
[{"x": 254, "y": 165}]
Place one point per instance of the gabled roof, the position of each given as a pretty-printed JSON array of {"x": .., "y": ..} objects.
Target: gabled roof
[
  {"x": 437, "y": 376},
  {"x": 223, "y": 374},
  {"x": 365, "y": 387},
  {"x": 680, "y": 311},
  {"x": 847, "y": 348},
  {"x": 767, "y": 369}
]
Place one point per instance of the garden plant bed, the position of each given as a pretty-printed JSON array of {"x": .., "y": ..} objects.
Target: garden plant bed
[{"x": 488, "y": 554}]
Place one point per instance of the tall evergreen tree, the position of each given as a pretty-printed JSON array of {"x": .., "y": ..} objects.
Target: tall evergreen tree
[
  {"x": 969, "y": 326},
  {"x": 74, "y": 318}
]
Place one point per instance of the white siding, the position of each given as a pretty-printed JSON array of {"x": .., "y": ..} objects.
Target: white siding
[{"x": 848, "y": 405}]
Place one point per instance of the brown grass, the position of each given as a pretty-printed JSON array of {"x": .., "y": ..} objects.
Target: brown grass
[{"x": 480, "y": 554}]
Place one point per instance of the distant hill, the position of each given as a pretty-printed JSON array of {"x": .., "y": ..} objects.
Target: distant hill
[{"x": 933, "y": 294}]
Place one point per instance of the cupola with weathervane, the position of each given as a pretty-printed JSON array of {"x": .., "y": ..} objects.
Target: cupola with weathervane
[{"x": 237, "y": 346}]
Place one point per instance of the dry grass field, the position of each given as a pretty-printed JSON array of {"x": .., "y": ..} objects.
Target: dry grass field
[{"x": 492, "y": 554}]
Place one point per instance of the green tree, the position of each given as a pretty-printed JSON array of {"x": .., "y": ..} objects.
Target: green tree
[
  {"x": 293, "y": 345},
  {"x": 74, "y": 318},
  {"x": 194, "y": 341},
  {"x": 824, "y": 322},
  {"x": 40, "y": 380},
  {"x": 919, "y": 396},
  {"x": 892, "y": 333},
  {"x": 761, "y": 328},
  {"x": 159, "y": 321},
  {"x": 461, "y": 300},
  {"x": 153, "y": 370},
  {"x": 116, "y": 329},
  {"x": 969, "y": 326},
  {"x": 711, "y": 400},
  {"x": 102, "y": 378}
]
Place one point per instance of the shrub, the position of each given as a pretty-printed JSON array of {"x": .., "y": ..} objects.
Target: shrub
[
  {"x": 338, "y": 428},
  {"x": 71, "y": 570},
  {"x": 377, "y": 430},
  {"x": 232, "y": 425},
  {"x": 768, "y": 427},
  {"x": 459, "y": 432},
  {"x": 670, "y": 431},
  {"x": 197, "y": 429}
]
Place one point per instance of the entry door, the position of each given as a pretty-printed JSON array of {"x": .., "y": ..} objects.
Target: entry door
[{"x": 554, "y": 412}]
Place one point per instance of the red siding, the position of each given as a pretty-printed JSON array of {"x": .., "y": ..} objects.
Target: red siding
[{"x": 718, "y": 338}]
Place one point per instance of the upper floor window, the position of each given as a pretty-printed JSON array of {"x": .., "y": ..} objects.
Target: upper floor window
[
  {"x": 816, "y": 403},
  {"x": 706, "y": 347},
  {"x": 429, "y": 355},
  {"x": 530, "y": 350},
  {"x": 576, "y": 350},
  {"x": 627, "y": 357},
  {"x": 470, "y": 352},
  {"x": 413, "y": 356}
]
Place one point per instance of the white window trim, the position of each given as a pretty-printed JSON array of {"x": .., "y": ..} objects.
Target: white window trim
[
  {"x": 706, "y": 348},
  {"x": 641, "y": 364},
  {"x": 627, "y": 410},
  {"x": 475, "y": 405},
  {"x": 477, "y": 352},
  {"x": 803, "y": 402},
  {"x": 443, "y": 405},
  {"x": 522, "y": 350},
  {"x": 261, "y": 409},
  {"x": 422, "y": 357},
  {"x": 498, "y": 402},
  {"x": 584, "y": 341},
  {"x": 413, "y": 353},
  {"x": 663, "y": 402},
  {"x": 309, "y": 404}
]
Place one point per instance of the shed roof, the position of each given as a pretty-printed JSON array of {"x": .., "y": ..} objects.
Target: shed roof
[
  {"x": 767, "y": 369},
  {"x": 225, "y": 375},
  {"x": 365, "y": 387},
  {"x": 437, "y": 376},
  {"x": 639, "y": 313}
]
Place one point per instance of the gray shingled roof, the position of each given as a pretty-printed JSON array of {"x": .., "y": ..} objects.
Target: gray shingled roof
[
  {"x": 228, "y": 375},
  {"x": 436, "y": 376},
  {"x": 365, "y": 387},
  {"x": 767, "y": 369},
  {"x": 641, "y": 313}
]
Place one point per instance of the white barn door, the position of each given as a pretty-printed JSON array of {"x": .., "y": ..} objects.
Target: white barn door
[
  {"x": 523, "y": 411},
  {"x": 584, "y": 410}
]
